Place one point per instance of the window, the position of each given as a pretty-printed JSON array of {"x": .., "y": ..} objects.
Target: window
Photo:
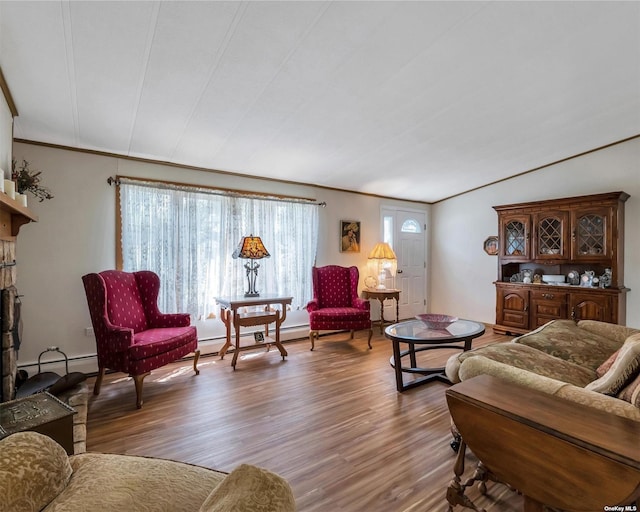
[
  {"x": 411, "y": 226},
  {"x": 387, "y": 229},
  {"x": 187, "y": 235}
]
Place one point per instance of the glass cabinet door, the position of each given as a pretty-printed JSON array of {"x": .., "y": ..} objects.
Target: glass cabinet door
[
  {"x": 551, "y": 236},
  {"x": 590, "y": 238},
  {"x": 515, "y": 237}
]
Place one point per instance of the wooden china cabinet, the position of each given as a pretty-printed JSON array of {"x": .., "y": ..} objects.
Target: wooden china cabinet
[{"x": 575, "y": 235}]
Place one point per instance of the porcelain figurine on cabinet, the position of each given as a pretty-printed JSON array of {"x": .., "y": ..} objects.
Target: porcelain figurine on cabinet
[
  {"x": 573, "y": 277},
  {"x": 586, "y": 279},
  {"x": 605, "y": 279}
]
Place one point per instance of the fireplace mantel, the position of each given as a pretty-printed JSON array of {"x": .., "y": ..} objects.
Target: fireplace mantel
[{"x": 12, "y": 216}]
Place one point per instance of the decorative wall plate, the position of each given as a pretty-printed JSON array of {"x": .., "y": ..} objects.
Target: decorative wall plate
[
  {"x": 370, "y": 282},
  {"x": 490, "y": 245}
]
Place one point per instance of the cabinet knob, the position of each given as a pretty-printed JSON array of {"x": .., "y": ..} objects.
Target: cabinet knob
[{"x": 548, "y": 295}]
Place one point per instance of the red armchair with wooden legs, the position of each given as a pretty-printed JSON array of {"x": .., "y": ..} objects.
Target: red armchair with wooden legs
[
  {"x": 132, "y": 335},
  {"x": 336, "y": 305}
]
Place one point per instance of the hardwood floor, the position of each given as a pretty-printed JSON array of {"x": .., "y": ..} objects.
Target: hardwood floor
[{"x": 330, "y": 421}]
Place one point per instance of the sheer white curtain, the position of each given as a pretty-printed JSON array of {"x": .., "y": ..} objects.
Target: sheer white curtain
[{"x": 187, "y": 238}]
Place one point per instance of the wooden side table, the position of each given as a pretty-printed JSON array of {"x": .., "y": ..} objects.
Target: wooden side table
[
  {"x": 42, "y": 413},
  {"x": 554, "y": 451},
  {"x": 231, "y": 316},
  {"x": 382, "y": 295}
]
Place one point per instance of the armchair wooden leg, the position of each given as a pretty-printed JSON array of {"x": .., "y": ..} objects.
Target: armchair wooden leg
[
  {"x": 137, "y": 379},
  {"x": 312, "y": 336},
  {"x": 98, "y": 384},
  {"x": 351, "y": 334},
  {"x": 369, "y": 339},
  {"x": 195, "y": 362}
]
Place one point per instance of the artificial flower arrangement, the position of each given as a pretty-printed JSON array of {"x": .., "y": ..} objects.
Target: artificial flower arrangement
[{"x": 29, "y": 180}]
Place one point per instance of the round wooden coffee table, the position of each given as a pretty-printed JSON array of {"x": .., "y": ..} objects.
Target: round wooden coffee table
[{"x": 458, "y": 336}]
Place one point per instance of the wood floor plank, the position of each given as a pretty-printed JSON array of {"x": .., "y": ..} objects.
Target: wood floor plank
[{"x": 330, "y": 421}]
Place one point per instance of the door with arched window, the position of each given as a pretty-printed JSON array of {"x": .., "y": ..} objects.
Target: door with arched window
[{"x": 404, "y": 230}]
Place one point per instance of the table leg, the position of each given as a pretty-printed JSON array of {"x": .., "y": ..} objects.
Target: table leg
[
  {"x": 225, "y": 316},
  {"x": 467, "y": 344},
  {"x": 397, "y": 365},
  {"x": 456, "y": 490},
  {"x": 381, "y": 299},
  {"x": 397, "y": 310},
  {"x": 412, "y": 355},
  {"x": 281, "y": 348},
  {"x": 237, "y": 350}
]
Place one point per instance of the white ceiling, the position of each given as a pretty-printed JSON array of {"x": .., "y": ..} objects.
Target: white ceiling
[{"x": 414, "y": 100}]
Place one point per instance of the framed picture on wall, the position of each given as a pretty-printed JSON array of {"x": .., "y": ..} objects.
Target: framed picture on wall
[
  {"x": 491, "y": 245},
  {"x": 349, "y": 236}
]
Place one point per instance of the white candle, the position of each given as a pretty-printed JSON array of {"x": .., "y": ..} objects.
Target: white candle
[
  {"x": 22, "y": 199},
  {"x": 10, "y": 188}
]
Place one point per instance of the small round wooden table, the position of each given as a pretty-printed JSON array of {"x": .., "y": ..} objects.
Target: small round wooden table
[{"x": 458, "y": 336}]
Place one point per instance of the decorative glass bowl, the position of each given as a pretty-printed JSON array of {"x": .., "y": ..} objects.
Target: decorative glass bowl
[{"x": 436, "y": 321}]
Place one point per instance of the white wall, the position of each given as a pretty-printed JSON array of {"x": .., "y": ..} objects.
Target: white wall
[
  {"x": 76, "y": 235},
  {"x": 462, "y": 275},
  {"x": 6, "y": 136}
]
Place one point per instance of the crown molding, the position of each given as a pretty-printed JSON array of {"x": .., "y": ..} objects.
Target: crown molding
[
  {"x": 205, "y": 169},
  {"x": 7, "y": 95}
]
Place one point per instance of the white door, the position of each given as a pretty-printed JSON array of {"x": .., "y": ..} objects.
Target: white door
[{"x": 408, "y": 239}]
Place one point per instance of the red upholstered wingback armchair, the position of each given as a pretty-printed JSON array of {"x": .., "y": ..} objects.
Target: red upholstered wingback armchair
[
  {"x": 132, "y": 335},
  {"x": 335, "y": 304}
]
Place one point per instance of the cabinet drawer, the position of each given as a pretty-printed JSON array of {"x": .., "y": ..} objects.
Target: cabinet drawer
[
  {"x": 548, "y": 296},
  {"x": 546, "y": 306},
  {"x": 515, "y": 319}
]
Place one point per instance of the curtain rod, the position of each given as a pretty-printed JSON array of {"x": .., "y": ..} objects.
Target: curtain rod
[{"x": 171, "y": 185}]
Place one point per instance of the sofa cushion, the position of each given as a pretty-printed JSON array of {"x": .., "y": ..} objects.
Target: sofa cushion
[
  {"x": 623, "y": 369},
  {"x": 565, "y": 340},
  {"x": 631, "y": 392},
  {"x": 250, "y": 488},
  {"x": 606, "y": 366},
  {"x": 615, "y": 332},
  {"x": 533, "y": 360},
  {"x": 134, "y": 483},
  {"x": 152, "y": 342},
  {"x": 34, "y": 469},
  {"x": 475, "y": 366}
]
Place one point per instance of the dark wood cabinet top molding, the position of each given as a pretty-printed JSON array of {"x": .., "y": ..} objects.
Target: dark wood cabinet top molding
[{"x": 548, "y": 204}]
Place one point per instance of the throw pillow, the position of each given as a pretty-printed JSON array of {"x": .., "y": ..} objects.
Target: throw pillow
[
  {"x": 606, "y": 366},
  {"x": 622, "y": 370},
  {"x": 631, "y": 392},
  {"x": 250, "y": 488},
  {"x": 34, "y": 469}
]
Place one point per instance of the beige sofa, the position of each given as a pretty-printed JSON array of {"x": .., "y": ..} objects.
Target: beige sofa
[
  {"x": 592, "y": 363},
  {"x": 36, "y": 474}
]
